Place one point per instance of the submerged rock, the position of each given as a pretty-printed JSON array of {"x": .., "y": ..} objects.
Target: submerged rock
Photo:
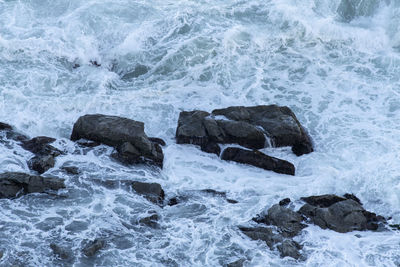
[
  {"x": 151, "y": 221},
  {"x": 13, "y": 184},
  {"x": 61, "y": 252},
  {"x": 93, "y": 247},
  {"x": 41, "y": 163},
  {"x": 238, "y": 263},
  {"x": 126, "y": 135},
  {"x": 258, "y": 159},
  {"x": 151, "y": 191}
]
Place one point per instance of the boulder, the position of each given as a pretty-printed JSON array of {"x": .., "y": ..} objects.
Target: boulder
[
  {"x": 41, "y": 146},
  {"x": 278, "y": 123},
  {"x": 191, "y": 128},
  {"x": 126, "y": 135},
  {"x": 13, "y": 184},
  {"x": 339, "y": 214},
  {"x": 289, "y": 223},
  {"x": 289, "y": 248},
  {"x": 93, "y": 247},
  {"x": 151, "y": 191},
  {"x": 258, "y": 159},
  {"x": 41, "y": 163}
]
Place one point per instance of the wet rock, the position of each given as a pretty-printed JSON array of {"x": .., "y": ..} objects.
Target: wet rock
[
  {"x": 124, "y": 134},
  {"x": 262, "y": 233},
  {"x": 339, "y": 214},
  {"x": 41, "y": 163},
  {"x": 218, "y": 194},
  {"x": 61, "y": 252},
  {"x": 5, "y": 126},
  {"x": 238, "y": 263},
  {"x": 288, "y": 222},
  {"x": 95, "y": 63},
  {"x": 284, "y": 202},
  {"x": 13, "y": 184},
  {"x": 10, "y": 133},
  {"x": 93, "y": 247},
  {"x": 71, "y": 170},
  {"x": 353, "y": 197},
  {"x": 87, "y": 143},
  {"x": 211, "y": 147},
  {"x": 157, "y": 141},
  {"x": 151, "y": 191},
  {"x": 289, "y": 248},
  {"x": 278, "y": 123},
  {"x": 258, "y": 159},
  {"x": 41, "y": 146},
  {"x": 151, "y": 221},
  {"x": 191, "y": 129}
]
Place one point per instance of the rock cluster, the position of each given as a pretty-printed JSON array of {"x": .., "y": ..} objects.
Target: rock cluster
[{"x": 251, "y": 127}]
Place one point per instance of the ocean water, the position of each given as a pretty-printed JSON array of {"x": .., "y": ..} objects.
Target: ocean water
[{"x": 335, "y": 63}]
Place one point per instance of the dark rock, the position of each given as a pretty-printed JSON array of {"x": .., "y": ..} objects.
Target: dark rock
[
  {"x": 353, "y": 197},
  {"x": 232, "y": 201},
  {"x": 157, "y": 141},
  {"x": 191, "y": 128},
  {"x": 13, "y": 184},
  {"x": 279, "y": 123},
  {"x": 70, "y": 169},
  {"x": 41, "y": 163},
  {"x": 238, "y": 263},
  {"x": 95, "y": 63},
  {"x": 262, "y": 233},
  {"x": 87, "y": 143},
  {"x": 218, "y": 194},
  {"x": 61, "y": 252},
  {"x": 322, "y": 201},
  {"x": 5, "y": 126},
  {"x": 150, "y": 221},
  {"x": 173, "y": 201},
  {"x": 343, "y": 216},
  {"x": 93, "y": 247},
  {"x": 151, "y": 191},
  {"x": 289, "y": 248},
  {"x": 124, "y": 134},
  {"x": 288, "y": 222},
  {"x": 258, "y": 159},
  {"x": 284, "y": 202},
  {"x": 41, "y": 146},
  {"x": 211, "y": 147}
]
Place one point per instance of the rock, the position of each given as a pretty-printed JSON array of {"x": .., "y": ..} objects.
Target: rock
[
  {"x": 10, "y": 133},
  {"x": 218, "y": 194},
  {"x": 191, "y": 129},
  {"x": 238, "y": 263},
  {"x": 353, "y": 197},
  {"x": 124, "y": 134},
  {"x": 350, "y": 9},
  {"x": 322, "y": 201},
  {"x": 278, "y": 123},
  {"x": 262, "y": 233},
  {"x": 157, "y": 141},
  {"x": 41, "y": 163},
  {"x": 173, "y": 201},
  {"x": 93, "y": 247},
  {"x": 13, "y": 184},
  {"x": 289, "y": 248},
  {"x": 151, "y": 191},
  {"x": 41, "y": 146},
  {"x": 70, "y": 169},
  {"x": 138, "y": 71},
  {"x": 258, "y": 159},
  {"x": 61, "y": 252},
  {"x": 340, "y": 214},
  {"x": 5, "y": 126},
  {"x": 87, "y": 143},
  {"x": 288, "y": 222},
  {"x": 211, "y": 147},
  {"x": 150, "y": 221},
  {"x": 284, "y": 202}
]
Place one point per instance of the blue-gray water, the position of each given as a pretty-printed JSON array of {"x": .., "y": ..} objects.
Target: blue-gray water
[{"x": 335, "y": 63}]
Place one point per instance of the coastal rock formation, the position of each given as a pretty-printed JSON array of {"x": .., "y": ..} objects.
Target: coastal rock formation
[
  {"x": 13, "y": 184},
  {"x": 126, "y": 135}
]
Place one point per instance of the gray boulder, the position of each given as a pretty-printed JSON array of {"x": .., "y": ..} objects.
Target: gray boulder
[
  {"x": 290, "y": 248},
  {"x": 13, "y": 184},
  {"x": 126, "y": 135},
  {"x": 258, "y": 159},
  {"x": 289, "y": 223},
  {"x": 41, "y": 163}
]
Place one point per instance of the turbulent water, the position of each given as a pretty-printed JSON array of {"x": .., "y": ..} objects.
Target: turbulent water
[{"x": 336, "y": 64}]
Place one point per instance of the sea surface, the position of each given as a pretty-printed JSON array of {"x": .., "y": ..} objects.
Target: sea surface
[{"x": 335, "y": 63}]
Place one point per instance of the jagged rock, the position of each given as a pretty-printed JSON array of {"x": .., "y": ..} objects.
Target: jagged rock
[
  {"x": 61, "y": 252},
  {"x": 157, "y": 141},
  {"x": 126, "y": 135},
  {"x": 339, "y": 214},
  {"x": 71, "y": 169},
  {"x": 284, "y": 202},
  {"x": 151, "y": 221},
  {"x": 41, "y": 163},
  {"x": 191, "y": 129},
  {"x": 151, "y": 191},
  {"x": 5, "y": 126},
  {"x": 41, "y": 146},
  {"x": 258, "y": 159},
  {"x": 262, "y": 233},
  {"x": 10, "y": 133},
  {"x": 289, "y": 248},
  {"x": 13, "y": 184},
  {"x": 211, "y": 147},
  {"x": 93, "y": 247},
  {"x": 185, "y": 196},
  {"x": 278, "y": 123}
]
